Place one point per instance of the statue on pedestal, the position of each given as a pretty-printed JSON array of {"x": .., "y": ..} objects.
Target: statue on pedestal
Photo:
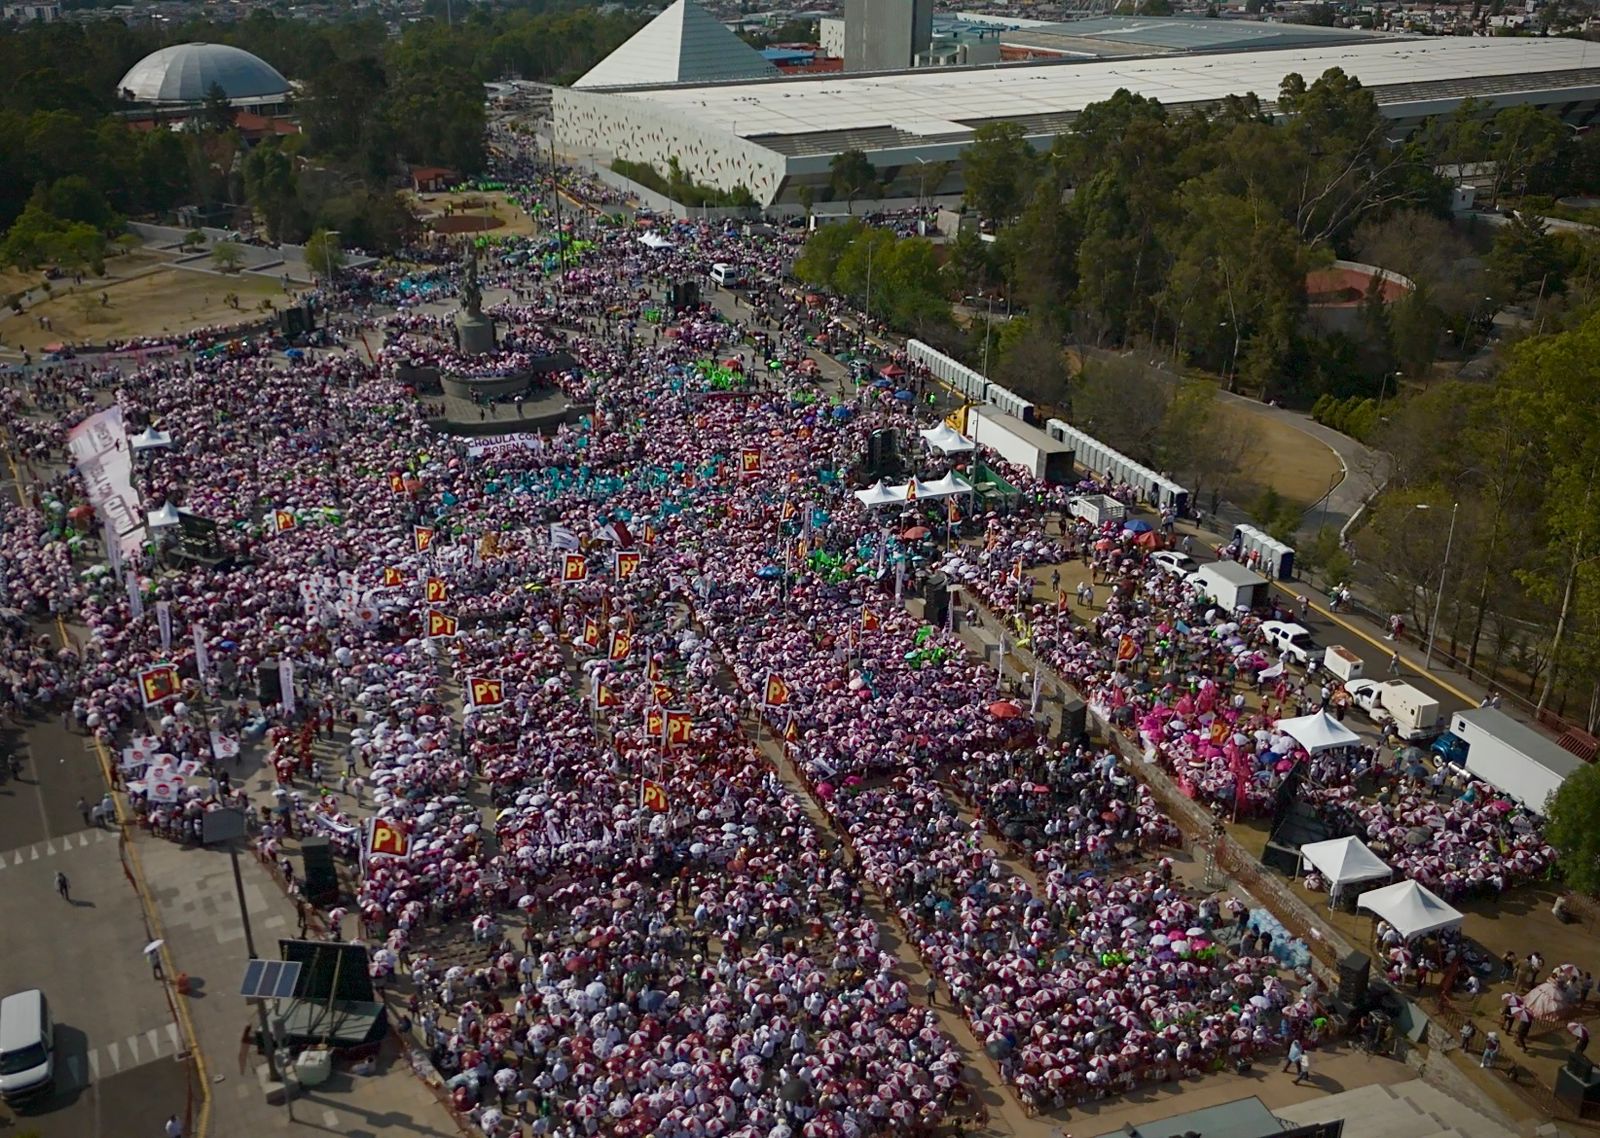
[{"x": 474, "y": 330}]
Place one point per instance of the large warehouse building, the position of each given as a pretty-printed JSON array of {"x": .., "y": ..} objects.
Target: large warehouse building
[{"x": 774, "y": 136}]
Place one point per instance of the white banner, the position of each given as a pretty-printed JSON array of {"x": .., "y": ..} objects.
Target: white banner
[
  {"x": 103, "y": 459},
  {"x": 135, "y": 597},
  {"x": 202, "y": 661},
  {"x": 224, "y": 746},
  {"x": 164, "y": 787},
  {"x": 113, "y": 549},
  {"x": 164, "y": 623},
  {"x": 286, "y": 680},
  {"x": 503, "y": 445}
]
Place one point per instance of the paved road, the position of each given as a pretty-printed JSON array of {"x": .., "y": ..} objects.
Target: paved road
[
  {"x": 58, "y": 768},
  {"x": 116, "y": 1039}
]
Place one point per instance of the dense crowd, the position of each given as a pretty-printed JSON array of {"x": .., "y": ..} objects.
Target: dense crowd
[{"x": 670, "y": 943}]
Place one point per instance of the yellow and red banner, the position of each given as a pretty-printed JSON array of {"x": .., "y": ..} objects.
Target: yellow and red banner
[
  {"x": 422, "y": 538},
  {"x": 591, "y": 632},
  {"x": 654, "y": 797},
  {"x": 655, "y": 722},
  {"x": 397, "y": 482},
  {"x": 621, "y": 645},
  {"x": 159, "y": 683},
  {"x": 627, "y": 563},
  {"x": 662, "y": 694},
  {"x": 777, "y": 693},
  {"x": 869, "y": 619},
  {"x": 750, "y": 461},
  {"x": 574, "y": 568},
  {"x": 484, "y": 691},
  {"x": 282, "y": 520},
  {"x": 649, "y": 533},
  {"x": 679, "y": 726},
  {"x": 387, "y": 839},
  {"x": 393, "y": 578},
  {"x": 441, "y": 624},
  {"x": 435, "y": 590},
  {"x": 606, "y": 696}
]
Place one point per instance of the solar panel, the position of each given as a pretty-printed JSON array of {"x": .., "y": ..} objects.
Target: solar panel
[{"x": 270, "y": 979}]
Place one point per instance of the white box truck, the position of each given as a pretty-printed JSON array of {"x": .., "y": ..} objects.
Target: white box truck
[
  {"x": 1231, "y": 586},
  {"x": 1415, "y": 713},
  {"x": 1097, "y": 509},
  {"x": 1510, "y": 756},
  {"x": 1342, "y": 662},
  {"x": 1021, "y": 443}
]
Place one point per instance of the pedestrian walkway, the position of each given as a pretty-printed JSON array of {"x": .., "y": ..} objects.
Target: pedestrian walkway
[
  {"x": 194, "y": 894},
  {"x": 47, "y": 849}
]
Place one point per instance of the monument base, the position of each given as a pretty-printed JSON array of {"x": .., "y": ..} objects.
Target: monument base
[{"x": 474, "y": 335}]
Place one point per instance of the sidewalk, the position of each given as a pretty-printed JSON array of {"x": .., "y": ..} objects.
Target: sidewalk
[{"x": 194, "y": 894}]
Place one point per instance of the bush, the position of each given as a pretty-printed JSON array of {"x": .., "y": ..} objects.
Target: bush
[
  {"x": 1356, "y": 416},
  {"x": 1275, "y": 514}
]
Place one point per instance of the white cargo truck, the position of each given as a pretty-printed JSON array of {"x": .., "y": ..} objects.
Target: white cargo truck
[
  {"x": 1097, "y": 509},
  {"x": 1414, "y": 713},
  {"x": 1231, "y": 586},
  {"x": 1510, "y": 756},
  {"x": 1021, "y": 443},
  {"x": 1342, "y": 662}
]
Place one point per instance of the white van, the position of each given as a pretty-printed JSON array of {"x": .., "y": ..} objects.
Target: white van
[
  {"x": 27, "y": 1045},
  {"x": 727, "y": 276}
]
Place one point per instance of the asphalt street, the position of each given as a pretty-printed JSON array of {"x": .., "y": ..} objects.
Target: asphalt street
[{"x": 118, "y": 1070}]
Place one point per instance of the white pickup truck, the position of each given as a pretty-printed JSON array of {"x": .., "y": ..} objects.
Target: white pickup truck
[{"x": 1415, "y": 714}]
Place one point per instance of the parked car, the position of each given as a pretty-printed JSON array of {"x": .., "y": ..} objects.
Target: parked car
[
  {"x": 1289, "y": 639},
  {"x": 1173, "y": 561}
]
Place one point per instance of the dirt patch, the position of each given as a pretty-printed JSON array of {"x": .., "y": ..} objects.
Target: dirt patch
[
  {"x": 1293, "y": 463},
  {"x": 464, "y": 223},
  {"x": 161, "y": 301},
  {"x": 474, "y": 213}
]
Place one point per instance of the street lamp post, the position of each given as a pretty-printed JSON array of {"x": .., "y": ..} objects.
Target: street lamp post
[
  {"x": 327, "y": 252},
  {"x": 1444, "y": 568}
]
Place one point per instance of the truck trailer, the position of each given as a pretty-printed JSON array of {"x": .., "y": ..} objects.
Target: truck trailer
[
  {"x": 1021, "y": 444},
  {"x": 1510, "y": 756},
  {"x": 1414, "y": 713}
]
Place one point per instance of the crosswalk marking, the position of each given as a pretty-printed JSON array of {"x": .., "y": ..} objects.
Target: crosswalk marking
[
  {"x": 21, "y": 854},
  {"x": 74, "y": 1071},
  {"x": 83, "y": 840},
  {"x": 49, "y": 847},
  {"x": 94, "y": 1065},
  {"x": 172, "y": 1034},
  {"x": 116, "y": 1059},
  {"x": 19, "y": 858},
  {"x": 134, "y": 1051},
  {"x": 35, "y": 851},
  {"x": 155, "y": 1043}
]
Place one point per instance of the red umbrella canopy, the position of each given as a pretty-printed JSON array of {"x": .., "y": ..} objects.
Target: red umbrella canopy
[
  {"x": 1004, "y": 709},
  {"x": 915, "y": 533}
]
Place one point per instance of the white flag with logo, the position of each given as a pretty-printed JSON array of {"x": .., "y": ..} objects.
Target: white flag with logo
[
  {"x": 202, "y": 661},
  {"x": 135, "y": 597},
  {"x": 164, "y": 623},
  {"x": 286, "y": 681}
]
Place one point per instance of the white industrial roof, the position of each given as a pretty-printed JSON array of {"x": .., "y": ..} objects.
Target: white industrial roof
[
  {"x": 684, "y": 44},
  {"x": 937, "y": 101},
  {"x": 186, "y": 72}
]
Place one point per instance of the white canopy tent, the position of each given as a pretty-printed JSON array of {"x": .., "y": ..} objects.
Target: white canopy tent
[
  {"x": 1344, "y": 861},
  {"x": 947, "y": 440},
  {"x": 1414, "y": 910},
  {"x": 160, "y": 519},
  {"x": 1318, "y": 732},
  {"x": 880, "y": 495},
  {"x": 948, "y": 486},
  {"x": 150, "y": 439},
  {"x": 656, "y": 241}
]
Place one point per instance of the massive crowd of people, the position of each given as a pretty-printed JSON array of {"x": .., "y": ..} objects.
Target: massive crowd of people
[{"x": 670, "y": 943}]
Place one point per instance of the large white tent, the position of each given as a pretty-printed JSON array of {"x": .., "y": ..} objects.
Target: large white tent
[
  {"x": 947, "y": 440},
  {"x": 1344, "y": 861},
  {"x": 1318, "y": 732},
  {"x": 948, "y": 486},
  {"x": 1414, "y": 910},
  {"x": 880, "y": 495}
]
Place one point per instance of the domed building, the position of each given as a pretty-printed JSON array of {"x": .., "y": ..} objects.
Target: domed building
[{"x": 183, "y": 75}]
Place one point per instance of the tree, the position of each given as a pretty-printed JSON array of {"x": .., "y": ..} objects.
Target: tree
[
  {"x": 806, "y": 195},
  {"x": 851, "y": 173},
  {"x": 1033, "y": 361},
  {"x": 194, "y": 239},
  {"x": 1523, "y": 137},
  {"x": 998, "y": 165},
  {"x": 1525, "y": 258},
  {"x": 218, "y": 113},
  {"x": 1570, "y": 827},
  {"x": 271, "y": 187},
  {"x": 323, "y": 254},
  {"x": 227, "y": 256}
]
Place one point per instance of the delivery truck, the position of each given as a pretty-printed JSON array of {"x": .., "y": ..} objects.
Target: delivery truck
[
  {"x": 1342, "y": 662},
  {"x": 1021, "y": 443},
  {"x": 1414, "y": 713},
  {"x": 1508, "y": 755},
  {"x": 1230, "y": 585},
  {"x": 1097, "y": 509}
]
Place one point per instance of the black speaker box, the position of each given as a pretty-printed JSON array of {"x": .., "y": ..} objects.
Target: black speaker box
[
  {"x": 321, "y": 881},
  {"x": 1355, "y": 971},
  {"x": 269, "y": 688},
  {"x": 936, "y": 599},
  {"x": 1285, "y": 859},
  {"x": 1074, "y": 719}
]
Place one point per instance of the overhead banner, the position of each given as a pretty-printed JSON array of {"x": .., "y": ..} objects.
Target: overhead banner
[
  {"x": 286, "y": 682},
  {"x": 103, "y": 459},
  {"x": 504, "y": 445}
]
